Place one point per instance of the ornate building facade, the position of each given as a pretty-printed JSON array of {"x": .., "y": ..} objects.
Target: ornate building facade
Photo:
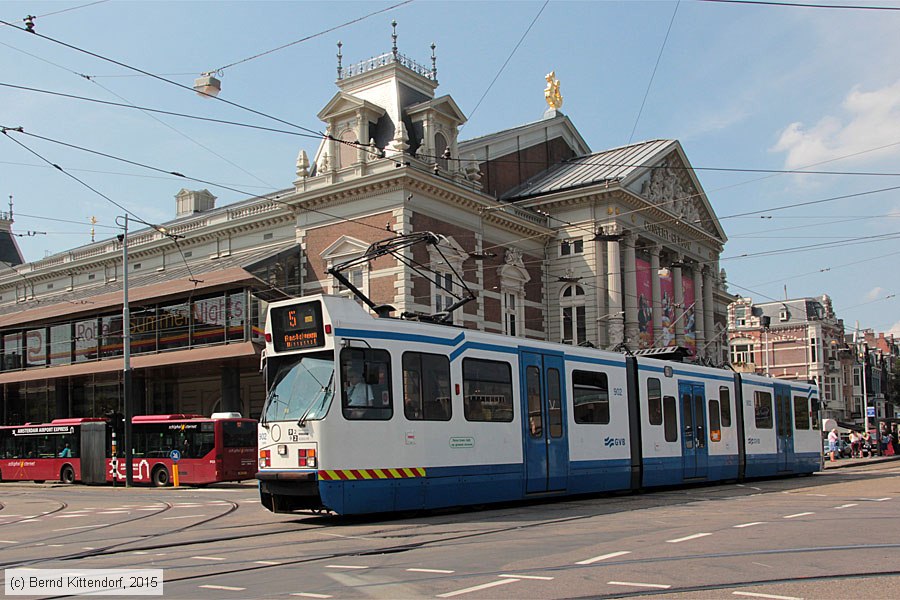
[{"x": 616, "y": 249}]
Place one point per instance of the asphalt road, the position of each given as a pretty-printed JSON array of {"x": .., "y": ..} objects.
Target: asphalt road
[{"x": 832, "y": 535}]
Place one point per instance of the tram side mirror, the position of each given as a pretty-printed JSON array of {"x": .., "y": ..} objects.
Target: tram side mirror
[{"x": 370, "y": 373}]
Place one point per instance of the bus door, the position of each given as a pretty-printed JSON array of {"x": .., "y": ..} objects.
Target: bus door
[
  {"x": 693, "y": 419},
  {"x": 784, "y": 427},
  {"x": 546, "y": 446}
]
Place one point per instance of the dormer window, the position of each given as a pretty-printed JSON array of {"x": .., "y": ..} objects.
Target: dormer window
[{"x": 784, "y": 315}]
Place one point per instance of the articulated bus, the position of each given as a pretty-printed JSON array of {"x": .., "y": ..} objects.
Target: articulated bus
[
  {"x": 215, "y": 449},
  {"x": 368, "y": 414}
]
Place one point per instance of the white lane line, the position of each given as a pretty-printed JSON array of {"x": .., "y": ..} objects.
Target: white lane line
[
  {"x": 182, "y": 517},
  {"x": 535, "y": 577},
  {"x": 602, "y": 557},
  {"x": 140, "y": 552},
  {"x": 881, "y": 499},
  {"x": 440, "y": 571},
  {"x": 227, "y": 588},
  {"x": 658, "y": 586},
  {"x": 845, "y": 506},
  {"x": 310, "y": 595},
  {"x": 742, "y": 525},
  {"x": 773, "y": 596},
  {"x": 345, "y": 567},
  {"x": 8, "y": 542},
  {"x": 72, "y": 528},
  {"x": 30, "y": 521},
  {"x": 113, "y": 512},
  {"x": 88, "y": 548},
  {"x": 686, "y": 538},
  {"x": 147, "y": 509},
  {"x": 68, "y": 516},
  {"x": 803, "y": 514},
  {"x": 207, "y": 558},
  {"x": 477, "y": 588},
  {"x": 55, "y": 545},
  {"x": 266, "y": 562}
]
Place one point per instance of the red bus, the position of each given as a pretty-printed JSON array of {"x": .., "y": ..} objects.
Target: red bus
[{"x": 213, "y": 449}]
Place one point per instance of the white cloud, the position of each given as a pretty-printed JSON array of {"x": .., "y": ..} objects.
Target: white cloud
[
  {"x": 870, "y": 120},
  {"x": 874, "y": 293}
]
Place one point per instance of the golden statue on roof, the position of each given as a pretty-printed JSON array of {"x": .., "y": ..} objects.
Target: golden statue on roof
[{"x": 551, "y": 93}]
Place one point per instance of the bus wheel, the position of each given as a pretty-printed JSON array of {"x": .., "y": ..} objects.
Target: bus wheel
[
  {"x": 67, "y": 475},
  {"x": 160, "y": 476}
]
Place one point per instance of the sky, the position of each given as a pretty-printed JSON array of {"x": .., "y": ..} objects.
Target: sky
[{"x": 747, "y": 89}]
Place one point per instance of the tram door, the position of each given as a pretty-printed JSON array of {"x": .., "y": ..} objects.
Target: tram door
[
  {"x": 784, "y": 426},
  {"x": 546, "y": 446},
  {"x": 693, "y": 419}
]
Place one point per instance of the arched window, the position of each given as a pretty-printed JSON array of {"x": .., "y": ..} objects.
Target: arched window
[
  {"x": 440, "y": 146},
  {"x": 347, "y": 151},
  {"x": 572, "y": 317}
]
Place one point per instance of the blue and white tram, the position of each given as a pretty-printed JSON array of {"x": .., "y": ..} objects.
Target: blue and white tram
[{"x": 369, "y": 414}]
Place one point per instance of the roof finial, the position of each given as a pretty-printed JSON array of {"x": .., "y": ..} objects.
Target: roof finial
[
  {"x": 394, "y": 37},
  {"x": 339, "y": 57},
  {"x": 433, "y": 62}
]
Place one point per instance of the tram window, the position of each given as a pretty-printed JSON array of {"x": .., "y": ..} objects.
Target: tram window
[
  {"x": 813, "y": 412},
  {"x": 533, "y": 393},
  {"x": 487, "y": 390},
  {"x": 426, "y": 387},
  {"x": 654, "y": 401},
  {"x": 725, "y": 404},
  {"x": 715, "y": 424},
  {"x": 670, "y": 418},
  {"x": 762, "y": 408},
  {"x": 801, "y": 413},
  {"x": 366, "y": 377},
  {"x": 554, "y": 403},
  {"x": 590, "y": 395}
]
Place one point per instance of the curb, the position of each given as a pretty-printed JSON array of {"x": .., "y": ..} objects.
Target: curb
[{"x": 845, "y": 463}]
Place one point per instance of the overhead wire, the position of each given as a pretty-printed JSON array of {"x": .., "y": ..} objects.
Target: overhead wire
[
  {"x": 653, "y": 74},
  {"x": 806, "y": 5}
]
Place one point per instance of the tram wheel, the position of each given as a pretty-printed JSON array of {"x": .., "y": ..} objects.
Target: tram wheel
[
  {"x": 67, "y": 475},
  {"x": 160, "y": 476}
]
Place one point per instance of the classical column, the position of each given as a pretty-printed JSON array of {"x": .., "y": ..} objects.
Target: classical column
[
  {"x": 362, "y": 135},
  {"x": 629, "y": 279},
  {"x": 614, "y": 289},
  {"x": 678, "y": 289},
  {"x": 600, "y": 295},
  {"x": 699, "y": 315},
  {"x": 656, "y": 291},
  {"x": 708, "y": 307}
]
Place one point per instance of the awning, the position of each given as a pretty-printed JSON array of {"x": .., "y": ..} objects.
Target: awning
[{"x": 143, "y": 361}]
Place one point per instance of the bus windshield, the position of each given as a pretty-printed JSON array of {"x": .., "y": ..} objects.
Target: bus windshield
[{"x": 302, "y": 391}]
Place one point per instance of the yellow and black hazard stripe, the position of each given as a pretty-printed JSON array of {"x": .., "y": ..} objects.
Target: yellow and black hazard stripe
[{"x": 362, "y": 474}]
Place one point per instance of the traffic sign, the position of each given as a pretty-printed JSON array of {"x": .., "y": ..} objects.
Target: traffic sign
[
  {"x": 870, "y": 411},
  {"x": 175, "y": 455}
]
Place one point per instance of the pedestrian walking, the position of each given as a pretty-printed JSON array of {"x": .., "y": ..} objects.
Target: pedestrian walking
[{"x": 855, "y": 439}]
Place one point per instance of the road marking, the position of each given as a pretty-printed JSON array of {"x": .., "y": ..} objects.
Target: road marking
[
  {"x": 8, "y": 542},
  {"x": 266, "y": 562},
  {"x": 345, "y": 567},
  {"x": 773, "y": 596},
  {"x": 845, "y": 506},
  {"x": 71, "y": 528},
  {"x": 602, "y": 557},
  {"x": 658, "y": 586},
  {"x": 309, "y": 595},
  {"x": 140, "y": 552},
  {"x": 690, "y": 537},
  {"x": 182, "y": 517},
  {"x": 145, "y": 509},
  {"x": 68, "y": 516},
  {"x": 476, "y": 588},
  {"x": 227, "y": 588},
  {"x": 536, "y": 577},
  {"x": 742, "y": 525},
  {"x": 441, "y": 571},
  {"x": 113, "y": 512},
  {"x": 30, "y": 521},
  {"x": 207, "y": 557},
  {"x": 881, "y": 499},
  {"x": 804, "y": 514},
  {"x": 55, "y": 545},
  {"x": 88, "y": 548}
]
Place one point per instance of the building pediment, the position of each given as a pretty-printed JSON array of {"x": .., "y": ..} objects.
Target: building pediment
[
  {"x": 668, "y": 181},
  {"x": 343, "y": 104},
  {"x": 344, "y": 247},
  {"x": 444, "y": 106}
]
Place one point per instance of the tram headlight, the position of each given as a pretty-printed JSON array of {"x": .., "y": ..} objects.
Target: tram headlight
[{"x": 282, "y": 449}]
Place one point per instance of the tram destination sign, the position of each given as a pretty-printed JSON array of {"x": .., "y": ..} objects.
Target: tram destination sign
[{"x": 297, "y": 326}]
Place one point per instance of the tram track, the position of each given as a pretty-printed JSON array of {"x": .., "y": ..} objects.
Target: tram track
[{"x": 62, "y": 506}]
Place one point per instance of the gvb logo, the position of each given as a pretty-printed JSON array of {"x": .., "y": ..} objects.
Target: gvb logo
[{"x": 610, "y": 442}]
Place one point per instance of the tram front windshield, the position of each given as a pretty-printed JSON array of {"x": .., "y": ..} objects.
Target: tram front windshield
[{"x": 303, "y": 391}]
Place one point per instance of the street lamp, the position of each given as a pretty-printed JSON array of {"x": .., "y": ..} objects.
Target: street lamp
[{"x": 126, "y": 357}]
